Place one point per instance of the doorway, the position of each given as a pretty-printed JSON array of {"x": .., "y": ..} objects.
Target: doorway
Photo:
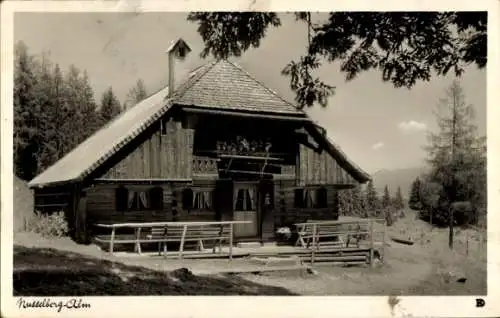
[{"x": 245, "y": 209}]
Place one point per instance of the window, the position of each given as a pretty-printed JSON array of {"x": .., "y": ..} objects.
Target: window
[
  {"x": 121, "y": 199},
  {"x": 138, "y": 200},
  {"x": 134, "y": 200},
  {"x": 321, "y": 198},
  {"x": 244, "y": 200},
  {"x": 310, "y": 198},
  {"x": 156, "y": 198},
  {"x": 187, "y": 199},
  {"x": 299, "y": 198},
  {"x": 202, "y": 200}
]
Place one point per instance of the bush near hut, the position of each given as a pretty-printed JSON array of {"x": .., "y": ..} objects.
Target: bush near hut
[{"x": 48, "y": 225}]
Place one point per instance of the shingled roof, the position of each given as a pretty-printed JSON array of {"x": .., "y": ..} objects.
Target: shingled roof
[
  {"x": 216, "y": 85},
  {"x": 229, "y": 87}
]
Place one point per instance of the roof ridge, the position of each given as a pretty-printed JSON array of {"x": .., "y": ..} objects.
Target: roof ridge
[{"x": 262, "y": 84}]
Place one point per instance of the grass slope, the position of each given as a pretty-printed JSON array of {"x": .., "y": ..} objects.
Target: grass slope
[{"x": 51, "y": 272}]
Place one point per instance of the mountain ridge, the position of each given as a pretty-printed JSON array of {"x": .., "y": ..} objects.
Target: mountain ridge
[{"x": 395, "y": 178}]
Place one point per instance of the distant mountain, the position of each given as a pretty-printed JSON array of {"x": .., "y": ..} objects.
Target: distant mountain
[{"x": 394, "y": 178}]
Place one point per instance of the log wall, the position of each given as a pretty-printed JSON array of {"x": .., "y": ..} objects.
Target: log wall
[
  {"x": 320, "y": 168},
  {"x": 166, "y": 154},
  {"x": 286, "y": 213}
]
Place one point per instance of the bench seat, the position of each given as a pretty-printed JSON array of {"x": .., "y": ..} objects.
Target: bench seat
[{"x": 342, "y": 234}]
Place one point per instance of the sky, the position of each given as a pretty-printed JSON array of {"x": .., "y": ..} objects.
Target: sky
[{"x": 376, "y": 125}]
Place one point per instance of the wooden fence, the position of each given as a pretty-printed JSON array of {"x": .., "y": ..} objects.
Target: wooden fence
[
  {"x": 340, "y": 233},
  {"x": 163, "y": 232}
]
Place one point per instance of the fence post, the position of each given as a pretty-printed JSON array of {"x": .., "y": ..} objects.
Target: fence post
[
  {"x": 314, "y": 243},
  {"x": 112, "y": 241},
  {"x": 231, "y": 241},
  {"x": 466, "y": 242},
  {"x": 183, "y": 238},
  {"x": 371, "y": 243},
  {"x": 384, "y": 240},
  {"x": 137, "y": 238}
]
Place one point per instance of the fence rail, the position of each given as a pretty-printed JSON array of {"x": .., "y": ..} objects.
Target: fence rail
[
  {"x": 182, "y": 232},
  {"x": 344, "y": 231}
]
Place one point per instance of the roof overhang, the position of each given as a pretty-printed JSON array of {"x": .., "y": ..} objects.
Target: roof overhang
[{"x": 271, "y": 116}]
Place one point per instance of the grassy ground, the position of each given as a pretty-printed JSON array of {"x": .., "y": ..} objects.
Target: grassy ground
[
  {"x": 426, "y": 268},
  {"x": 58, "y": 266},
  {"x": 51, "y": 272}
]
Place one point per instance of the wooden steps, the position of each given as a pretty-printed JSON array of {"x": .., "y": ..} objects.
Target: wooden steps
[{"x": 349, "y": 256}]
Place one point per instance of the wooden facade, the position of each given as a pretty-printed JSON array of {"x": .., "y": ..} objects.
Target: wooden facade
[
  {"x": 194, "y": 181},
  {"x": 167, "y": 153},
  {"x": 204, "y": 157}
]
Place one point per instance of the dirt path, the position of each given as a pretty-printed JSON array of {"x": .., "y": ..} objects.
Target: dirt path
[{"x": 394, "y": 278}]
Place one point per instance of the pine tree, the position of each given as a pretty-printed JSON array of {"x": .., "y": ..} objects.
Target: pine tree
[
  {"x": 91, "y": 120},
  {"x": 457, "y": 156},
  {"x": 74, "y": 125},
  {"x": 53, "y": 112},
  {"x": 386, "y": 198},
  {"x": 27, "y": 133},
  {"x": 414, "y": 201},
  {"x": 430, "y": 193},
  {"x": 359, "y": 205},
  {"x": 398, "y": 199},
  {"x": 47, "y": 153},
  {"x": 61, "y": 111},
  {"x": 110, "y": 106},
  {"x": 136, "y": 94},
  {"x": 372, "y": 201}
]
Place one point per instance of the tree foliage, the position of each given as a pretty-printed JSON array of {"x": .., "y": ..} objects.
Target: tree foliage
[
  {"x": 136, "y": 94},
  {"x": 372, "y": 200},
  {"x": 110, "y": 105},
  {"x": 53, "y": 111},
  {"x": 405, "y": 47},
  {"x": 414, "y": 201},
  {"x": 398, "y": 202},
  {"x": 27, "y": 136},
  {"x": 352, "y": 202},
  {"x": 386, "y": 198},
  {"x": 457, "y": 157}
]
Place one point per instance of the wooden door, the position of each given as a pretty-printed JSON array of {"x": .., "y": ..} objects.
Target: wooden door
[{"x": 245, "y": 209}]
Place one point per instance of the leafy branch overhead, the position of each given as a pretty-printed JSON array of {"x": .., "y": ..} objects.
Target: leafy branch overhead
[{"x": 405, "y": 47}]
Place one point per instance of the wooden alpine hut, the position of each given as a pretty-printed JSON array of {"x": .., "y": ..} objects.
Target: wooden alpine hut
[{"x": 220, "y": 147}]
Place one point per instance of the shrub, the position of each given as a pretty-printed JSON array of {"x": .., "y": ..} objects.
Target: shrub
[{"x": 49, "y": 225}]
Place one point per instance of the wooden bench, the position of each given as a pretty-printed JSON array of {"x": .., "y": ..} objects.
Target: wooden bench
[
  {"x": 164, "y": 232},
  {"x": 340, "y": 233}
]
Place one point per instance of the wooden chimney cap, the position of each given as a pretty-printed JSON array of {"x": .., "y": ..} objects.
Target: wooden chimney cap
[{"x": 179, "y": 48}]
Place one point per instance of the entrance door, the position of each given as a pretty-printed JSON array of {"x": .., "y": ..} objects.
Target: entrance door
[{"x": 245, "y": 209}]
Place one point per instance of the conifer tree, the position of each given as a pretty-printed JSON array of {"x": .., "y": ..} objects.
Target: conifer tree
[
  {"x": 386, "y": 198},
  {"x": 27, "y": 135},
  {"x": 414, "y": 200},
  {"x": 457, "y": 156},
  {"x": 136, "y": 94},
  {"x": 372, "y": 201},
  {"x": 398, "y": 199},
  {"x": 110, "y": 106},
  {"x": 91, "y": 121},
  {"x": 49, "y": 131}
]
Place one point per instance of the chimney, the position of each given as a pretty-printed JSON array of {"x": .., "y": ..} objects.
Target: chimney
[{"x": 178, "y": 49}]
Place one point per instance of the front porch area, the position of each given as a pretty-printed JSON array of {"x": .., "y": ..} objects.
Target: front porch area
[{"x": 355, "y": 241}]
